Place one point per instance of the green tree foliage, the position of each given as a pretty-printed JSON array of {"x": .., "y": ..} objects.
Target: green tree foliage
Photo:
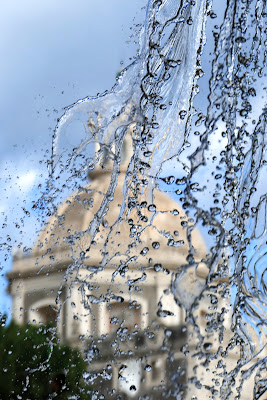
[{"x": 34, "y": 366}]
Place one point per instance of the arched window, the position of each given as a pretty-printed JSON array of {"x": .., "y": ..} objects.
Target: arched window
[
  {"x": 43, "y": 312},
  {"x": 47, "y": 315}
]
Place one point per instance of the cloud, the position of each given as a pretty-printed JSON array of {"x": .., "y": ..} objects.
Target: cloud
[
  {"x": 17, "y": 180},
  {"x": 19, "y": 186},
  {"x": 27, "y": 180}
]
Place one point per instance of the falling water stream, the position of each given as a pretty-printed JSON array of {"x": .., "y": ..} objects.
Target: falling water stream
[{"x": 220, "y": 284}]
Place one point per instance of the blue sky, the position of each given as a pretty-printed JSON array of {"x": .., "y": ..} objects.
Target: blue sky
[
  {"x": 52, "y": 53},
  {"x": 49, "y": 47}
]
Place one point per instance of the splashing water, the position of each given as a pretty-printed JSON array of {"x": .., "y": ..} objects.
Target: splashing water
[
  {"x": 221, "y": 242},
  {"x": 153, "y": 92}
]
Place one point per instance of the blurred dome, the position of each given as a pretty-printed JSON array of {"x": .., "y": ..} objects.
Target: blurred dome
[
  {"x": 154, "y": 235},
  {"x": 154, "y": 231}
]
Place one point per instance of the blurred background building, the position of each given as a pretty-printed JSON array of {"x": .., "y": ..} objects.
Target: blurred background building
[{"x": 114, "y": 301}]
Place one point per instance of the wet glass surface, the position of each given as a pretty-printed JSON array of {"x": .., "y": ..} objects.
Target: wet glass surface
[{"x": 142, "y": 247}]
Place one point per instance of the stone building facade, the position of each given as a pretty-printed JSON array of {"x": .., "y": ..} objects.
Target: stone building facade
[{"x": 114, "y": 302}]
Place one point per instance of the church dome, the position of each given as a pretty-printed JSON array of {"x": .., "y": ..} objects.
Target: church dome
[
  {"x": 152, "y": 232},
  {"x": 156, "y": 234}
]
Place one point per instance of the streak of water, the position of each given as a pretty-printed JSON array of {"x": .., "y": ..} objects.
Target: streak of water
[
  {"x": 153, "y": 97},
  {"x": 150, "y": 110}
]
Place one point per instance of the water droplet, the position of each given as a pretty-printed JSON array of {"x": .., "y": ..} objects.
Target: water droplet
[
  {"x": 252, "y": 92},
  {"x": 181, "y": 181},
  {"x": 190, "y": 21},
  {"x": 169, "y": 180},
  {"x": 212, "y": 14},
  {"x": 168, "y": 333},
  {"x": 163, "y": 106},
  {"x": 150, "y": 335},
  {"x": 164, "y": 313},
  {"x": 173, "y": 63},
  {"x": 173, "y": 243},
  {"x": 152, "y": 208},
  {"x": 157, "y": 267},
  {"x": 147, "y": 153},
  {"x": 207, "y": 346},
  {"x": 184, "y": 349},
  {"x": 183, "y": 114},
  {"x": 144, "y": 251}
]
